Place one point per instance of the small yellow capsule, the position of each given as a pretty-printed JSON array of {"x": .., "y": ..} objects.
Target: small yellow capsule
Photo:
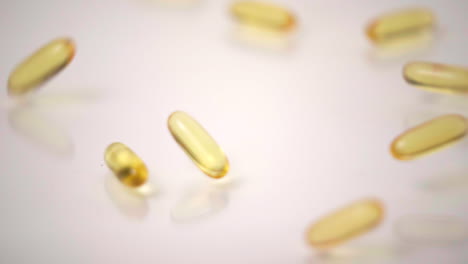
[
  {"x": 345, "y": 223},
  {"x": 198, "y": 144},
  {"x": 264, "y": 15},
  {"x": 429, "y": 137},
  {"x": 41, "y": 66},
  {"x": 401, "y": 23},
  {"x": 437, "y": 77},
  {"x": 126, "y": 165}
]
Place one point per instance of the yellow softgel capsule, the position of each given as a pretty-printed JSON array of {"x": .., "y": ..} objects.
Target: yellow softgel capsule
[
  {"x": 126, "y": 165},
  {"x": 198, "y": 144},
  {"x": 41, "y": 66},
  {"x": 401, "y": 23},
  {"x": 429, "y": 137},
  {"x": 437, "y": 77},
  {"x": 345, "y": 223},
  {"x": 263, "y": 15}
]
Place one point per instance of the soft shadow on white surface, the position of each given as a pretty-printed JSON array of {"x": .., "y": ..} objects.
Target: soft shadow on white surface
[
  {"x": 78, "y": 97},
  {"x": 261, "y": 39},
  {"x": 203, "y": 200},
  {"x": 131, "y": 202},
  {"x": 27, "y": 117},
  {"x": 431, "y": 229},
  {"x": 404, "y": 49},
  {"x": 28, "y": 122},
  {"x": 408, "y": 48},
  {"x": 452, "y": 182},
  {"x": 374, "y": 252},
  {"x": 177, "y": 4}
]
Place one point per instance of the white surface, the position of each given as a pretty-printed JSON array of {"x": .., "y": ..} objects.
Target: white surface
[{"x": 306, "y": 129}]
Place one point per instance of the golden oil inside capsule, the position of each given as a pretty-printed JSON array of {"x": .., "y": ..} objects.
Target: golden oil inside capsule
[
  {"x": 437, "y": 77},
  {"x": 263, "y": 15},
  {"x": 400, "y": 24},
  {"x": 345, "y": 223},
  {"x": 429, "y": 137},
  {"x": 40, "y": 66},
  {"x": 126, "y": 165},
  {"x": 198, "y": 144}
]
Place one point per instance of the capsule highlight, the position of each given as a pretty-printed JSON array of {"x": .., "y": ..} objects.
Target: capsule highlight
[
  {"x": 41, "y": 66},
  {"x": 126, "y": 165},
  {"x": 263, "y": 15},
  {"x": 437, "y": 77},
  {"x": 429, "y": 137},
  {"x": 198, "y": 144},
  {"x": 345, "y": 223},
  {"x": 400, "y": 24}
]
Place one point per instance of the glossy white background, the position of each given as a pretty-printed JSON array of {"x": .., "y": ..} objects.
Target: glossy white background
[{"x": 306, "y": 128}]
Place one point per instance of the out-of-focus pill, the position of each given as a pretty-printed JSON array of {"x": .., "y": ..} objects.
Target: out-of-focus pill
[
  {"x": 126, "y": 165},
  {"x": 437, "y": 77},
  {"x": 401, "y": 23},
  {"x": 198, "y": 144},
  {"x": 429, "y": 137},
  {"x": 345, "y": 223},
  {"x": 41, "y": 66},
  {"x": 263, "y": 15}
]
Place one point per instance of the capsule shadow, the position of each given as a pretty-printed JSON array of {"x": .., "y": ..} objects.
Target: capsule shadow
[
  {"x": 131, "y": 202},
  {"x": 447, "y": 183},
  {"x": 405, "y": 48},
  {"x": 203, "y": 200},
  {"x": 431, "y": 230},
  {"x": 263, "y": 39},
  {"x": 377, "y": 252},
  {"x": 28, "y": 122},
  {"x": 26, "y": 117},
  {"x": 172, "y": 4}
]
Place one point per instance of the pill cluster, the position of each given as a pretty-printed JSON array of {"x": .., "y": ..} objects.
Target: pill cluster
[{"x": 339, "y": 226}]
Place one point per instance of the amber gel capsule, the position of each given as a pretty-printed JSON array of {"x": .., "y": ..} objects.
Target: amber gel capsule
[
  {"x": 345, "y": 223},
  {"x": 437, "y": 77},
  {"x": 41, "y": 66},
  {"x": 198, "y": 144},
  {"x": 401, "y": 23},
  {"x": 126, "y": 165},
  {"x": 429, "y": 137},
  {"x": 263, "y": 15}
]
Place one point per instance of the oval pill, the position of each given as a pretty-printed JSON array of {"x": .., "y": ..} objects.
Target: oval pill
[
  {"x": 198, "y": 144},
  {"x": 437, "y": 77},
  {"x": 401, "y": 23},
  {"x": 429, "y": 137},
  {"x": 41, "y": 66},
  {"x": 264, "y": 15},
  {"x": 126, "y": 165},
  {"x": 345, "y": 223}
]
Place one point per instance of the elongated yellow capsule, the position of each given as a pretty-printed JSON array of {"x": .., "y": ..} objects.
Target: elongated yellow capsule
[
  {"x": 126, "y": 165},
  {"x": 437, "y": 77},
  {"x": 429, "y": 137},
  {"x": 264, "y": 15},
  {"x": 198, "y": 144},
  {"x": 401, "y": 23},
  {"x": 41, "y": 66},
  {"x": 345, "y": 223}
]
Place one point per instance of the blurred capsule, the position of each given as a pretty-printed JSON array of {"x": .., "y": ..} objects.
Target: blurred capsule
[
  {"x": 429, "y": 137},
  {"x": 126, "y": 165},
  {"x": 41, "y": 66},
  {"x": 264, "y": 15},
  {"x": 198, "y": 144},
  {"x": 345, "y": 223},
  {"x": 437, "y": 77},
  {"x": 400, "y": 24}
]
